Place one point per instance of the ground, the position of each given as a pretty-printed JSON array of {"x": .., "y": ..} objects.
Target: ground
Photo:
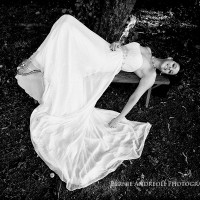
[{"x": 172, "y": 151}]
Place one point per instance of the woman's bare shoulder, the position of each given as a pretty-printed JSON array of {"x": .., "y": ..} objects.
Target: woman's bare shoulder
[
  {"x": 146, "y": 50},
  {"x": 149, "y": 49},
  {"x": 149, "y": 78},
  {"x": 151, "y": 74},
  {"x": 146, "y": 73}
]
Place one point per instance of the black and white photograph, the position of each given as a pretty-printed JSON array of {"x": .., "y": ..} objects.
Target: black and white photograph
[{"x": 99, "y": 99}]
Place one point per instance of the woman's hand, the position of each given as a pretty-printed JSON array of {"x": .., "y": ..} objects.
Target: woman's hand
[
  {"x": 114, "y": 46},
  {"x": 113, "y": 123}
]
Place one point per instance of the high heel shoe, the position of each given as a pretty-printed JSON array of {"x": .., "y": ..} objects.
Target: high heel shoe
[{"x": 21, "y": 69}]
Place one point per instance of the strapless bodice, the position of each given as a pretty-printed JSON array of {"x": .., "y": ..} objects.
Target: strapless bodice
[{"x": 132, "y": 57}]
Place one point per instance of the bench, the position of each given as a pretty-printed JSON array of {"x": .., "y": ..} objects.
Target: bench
[{"x": 127, "y": 77}]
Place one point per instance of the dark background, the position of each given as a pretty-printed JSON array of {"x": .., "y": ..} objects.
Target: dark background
[{"x": 172, "y": 150}]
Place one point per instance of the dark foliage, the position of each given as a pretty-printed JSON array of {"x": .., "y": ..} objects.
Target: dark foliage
[{"x": 172, "y": 150}]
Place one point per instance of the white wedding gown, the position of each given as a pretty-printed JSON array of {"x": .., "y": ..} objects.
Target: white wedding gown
[{"x": 68, "y": 132}]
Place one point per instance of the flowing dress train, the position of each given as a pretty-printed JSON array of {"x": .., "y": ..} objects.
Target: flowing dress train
[{"x": 68, "y": 132}]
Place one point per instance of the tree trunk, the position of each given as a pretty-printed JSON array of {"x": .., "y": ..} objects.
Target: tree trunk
[{"x": 115, "y": 14}]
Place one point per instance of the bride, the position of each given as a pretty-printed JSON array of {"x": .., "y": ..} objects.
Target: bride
[{"x": 67, "y": 75}]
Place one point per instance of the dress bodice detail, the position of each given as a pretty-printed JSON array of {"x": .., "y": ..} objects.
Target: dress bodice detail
[{"x": 132, "y": 57}]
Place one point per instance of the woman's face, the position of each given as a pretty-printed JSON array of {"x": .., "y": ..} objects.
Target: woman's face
[{"x": 170, "y": 67}]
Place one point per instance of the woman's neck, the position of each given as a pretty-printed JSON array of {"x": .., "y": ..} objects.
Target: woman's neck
[{"x": 157, "y": 62}]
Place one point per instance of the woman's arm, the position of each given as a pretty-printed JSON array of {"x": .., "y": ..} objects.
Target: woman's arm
[{"x": 144, "y": 84}]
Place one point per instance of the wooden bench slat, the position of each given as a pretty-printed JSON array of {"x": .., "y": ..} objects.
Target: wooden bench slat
[{"x": 127, "y": 77}]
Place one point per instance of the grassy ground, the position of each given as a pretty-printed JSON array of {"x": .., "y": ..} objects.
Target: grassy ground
[{"x": 172, "y": 150}]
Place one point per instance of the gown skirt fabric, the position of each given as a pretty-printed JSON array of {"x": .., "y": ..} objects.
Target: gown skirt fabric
[{"x": 68, "y": 132}]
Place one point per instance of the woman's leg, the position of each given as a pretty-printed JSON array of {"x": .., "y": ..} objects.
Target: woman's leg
[{"x": 29, "y": 66}]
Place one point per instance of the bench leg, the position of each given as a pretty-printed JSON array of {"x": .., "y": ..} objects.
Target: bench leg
[
  {"x": 155, "y": 86},
  {"x": 148, "y": 97}
]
